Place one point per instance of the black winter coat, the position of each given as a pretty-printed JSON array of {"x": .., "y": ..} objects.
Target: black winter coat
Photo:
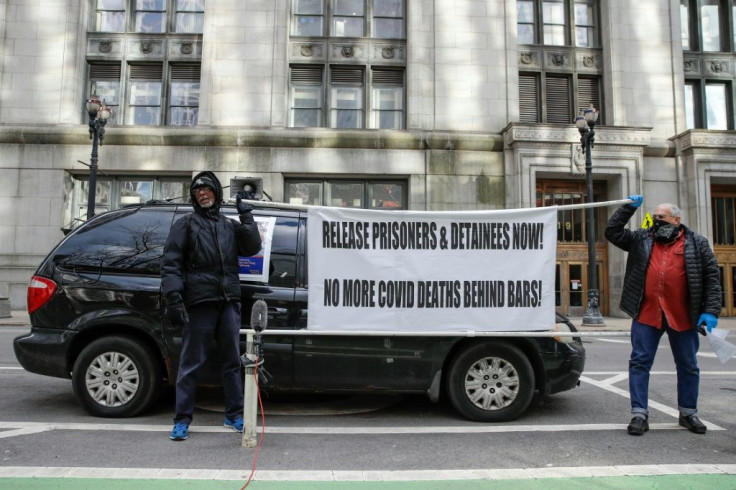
[
  {"x": 703, "y": 278},
  {"x": 200, "y": 259}
]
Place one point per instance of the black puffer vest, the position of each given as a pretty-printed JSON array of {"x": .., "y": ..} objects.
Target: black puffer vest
[{"x": 703, "y": 278}]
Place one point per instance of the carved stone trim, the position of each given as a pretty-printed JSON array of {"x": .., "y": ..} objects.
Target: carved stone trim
[
  {"x": 515, "y": 134},
  {"x": 557, "y": 59},
  {"x": 701, "y": 140},
  {"x": 690, "y": 65},
  {"x": 388, "y": 52},
  {"x": 105, "y": 46},
  {"x": 718, "y": 67},
  {"x": 186, "y": 48},
  {"x": 146, "y": 47},
  {"x": 347, "y": 51},
  {"x": 307, "y": 50}
]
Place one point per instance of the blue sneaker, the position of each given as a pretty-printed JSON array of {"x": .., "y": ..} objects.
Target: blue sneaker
[
  {"x": 180, "y": 432},
  {"x": 236, "y": 425}
]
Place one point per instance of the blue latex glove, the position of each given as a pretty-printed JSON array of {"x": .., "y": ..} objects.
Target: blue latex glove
[
  {"x": 710, "y": 320},
  {"x": 637, "y": 200}
]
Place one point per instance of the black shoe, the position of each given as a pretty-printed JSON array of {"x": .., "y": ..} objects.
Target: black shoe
[
  {"x": 693, "y": 424},
  {"x": 638, "y": 426}
]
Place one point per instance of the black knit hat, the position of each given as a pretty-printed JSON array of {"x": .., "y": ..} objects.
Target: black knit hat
[{"x": 203, "y": 182}]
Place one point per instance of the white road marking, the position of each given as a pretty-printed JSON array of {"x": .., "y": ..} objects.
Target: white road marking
[
  {"x": 668, "y": 373},
  {"x": 23, "y": 428},
  {"x": 652, "y": 404},
  {"x": 22, "y": 432},
  {"x": 11, "y": 368},
  {"x": 365, "y": 476}
]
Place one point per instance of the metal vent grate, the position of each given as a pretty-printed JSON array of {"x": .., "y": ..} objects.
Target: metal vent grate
[
  {"x": 98, "y": 71},
  {"x": 146, "y": 72},
  {"x": 190, "y": 71},
  {"x": 386, "y": 76},
  {"x": 342, "y": 74},
  {"x": 529, "y": 98},
  {"x": 558, "y": 100},
  {"x": 306, "y": 74}
]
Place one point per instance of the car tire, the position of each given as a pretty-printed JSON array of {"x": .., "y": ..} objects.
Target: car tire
[
  {"x": 491, "y": 382},
  {"x": 116, "y": 377}
]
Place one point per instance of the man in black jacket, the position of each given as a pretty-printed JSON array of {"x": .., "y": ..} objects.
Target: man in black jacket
[
  {"x": 672, "y": 285},
  {"x": 201, "y": 292}
]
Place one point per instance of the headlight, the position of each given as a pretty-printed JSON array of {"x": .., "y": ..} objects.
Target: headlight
[{"x": 563, "y": 327}]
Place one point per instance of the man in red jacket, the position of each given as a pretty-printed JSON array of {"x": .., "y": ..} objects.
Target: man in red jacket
[{"x": 672, "y": 284}]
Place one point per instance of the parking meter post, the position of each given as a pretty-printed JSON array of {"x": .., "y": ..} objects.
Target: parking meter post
[{"x": 250, "y": 396}]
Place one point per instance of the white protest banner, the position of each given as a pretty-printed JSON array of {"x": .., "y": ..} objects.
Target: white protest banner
[{"x": 420, "y": 270}]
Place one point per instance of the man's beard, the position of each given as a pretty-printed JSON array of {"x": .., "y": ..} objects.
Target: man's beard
[{"x": 208, "y": 205}]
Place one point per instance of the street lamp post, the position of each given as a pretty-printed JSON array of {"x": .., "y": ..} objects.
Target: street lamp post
[
  {"x": 585, "y": 123},
  {"x": 98, "y": 114}
]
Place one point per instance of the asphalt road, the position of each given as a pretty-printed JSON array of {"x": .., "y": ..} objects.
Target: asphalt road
[{"x": 581, "y": 432}]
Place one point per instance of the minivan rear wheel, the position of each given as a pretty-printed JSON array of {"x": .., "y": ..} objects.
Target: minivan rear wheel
[
  {"x": 116, "y": 377},
  {"x": 491, "y": 382}
]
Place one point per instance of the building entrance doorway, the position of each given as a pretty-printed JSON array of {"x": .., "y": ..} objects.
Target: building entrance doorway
[
  {"x": 723, "y": 202},
  {"x": 571, "y": 273}
]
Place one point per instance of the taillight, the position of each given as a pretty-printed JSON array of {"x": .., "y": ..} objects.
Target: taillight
[{"x": 40, "y": 290}]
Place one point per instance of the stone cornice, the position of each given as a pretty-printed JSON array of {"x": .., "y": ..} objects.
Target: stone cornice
[
  {"x": 701, "y": 139},
  {"x": 515, "y": 134},
  {"x": 256, "y": 138}
]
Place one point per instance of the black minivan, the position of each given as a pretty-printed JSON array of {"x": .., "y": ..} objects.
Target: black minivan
[{"x": 96, "y": 317}]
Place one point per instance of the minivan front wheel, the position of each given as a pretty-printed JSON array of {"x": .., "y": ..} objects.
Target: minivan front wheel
[
  {"x": 116, "y": 377},
  {"x": 491, "y": 382}
]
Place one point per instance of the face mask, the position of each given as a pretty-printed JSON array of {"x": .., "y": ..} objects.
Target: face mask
[{"x": 664, "y": 231}]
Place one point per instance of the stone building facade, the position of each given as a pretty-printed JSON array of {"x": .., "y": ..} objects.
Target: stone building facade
[{"x": 409, "y": 104}]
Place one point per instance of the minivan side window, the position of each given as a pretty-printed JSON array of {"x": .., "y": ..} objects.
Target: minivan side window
[
  {"x": 130, "y": 240},
  {"x": 283, "y": 253}
]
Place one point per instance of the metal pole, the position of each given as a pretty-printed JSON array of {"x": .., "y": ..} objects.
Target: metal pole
[
  {"x": 94, "y": 132},
  {"x": 592, "y": 314},
  {"x": 250, "y": 396}
]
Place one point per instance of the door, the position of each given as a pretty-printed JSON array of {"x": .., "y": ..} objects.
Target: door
[{"x": 571, "y": 279}]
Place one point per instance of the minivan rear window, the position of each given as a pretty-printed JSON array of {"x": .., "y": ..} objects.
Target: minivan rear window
[{"x": 133, "y": 243}]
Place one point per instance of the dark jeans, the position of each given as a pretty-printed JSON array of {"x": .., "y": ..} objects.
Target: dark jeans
[
  {"x": 684, "y": 345},
  {"x": 207, "y": 322}
]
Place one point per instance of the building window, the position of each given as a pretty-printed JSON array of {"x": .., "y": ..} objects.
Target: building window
[
  {"x": 557, "y": 22},
  {"x": 554, "y": 98},
  {"x": 144, "y": 81},
  {"x": 365, "y": 194},
  {"x": 145, "y": 87},
  {"x": 143, "y": 102},
  {"x": 189, "y": 16},
  {"x": 308, "y": 18},
  {"x": 705, "y": 25},
  {"x": 104, "y": 80},
  {"x": 380, "y": 19},
  {"x": 184, "y": 94},
  {"x": 708, "y": 104},
  {"x": 150, "y": 16},
  {"x": 348, "y": 18},
  {"x": 117, "y": 191},
  {"x": 109, "y": 15},
  {"x": 387, "y": 98},
  {"x": 724, "y": 216},
  {"x": 306, "y": 96},
  {"x": 346, "y": 97},
  {"x": 388, "y": 19}
]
